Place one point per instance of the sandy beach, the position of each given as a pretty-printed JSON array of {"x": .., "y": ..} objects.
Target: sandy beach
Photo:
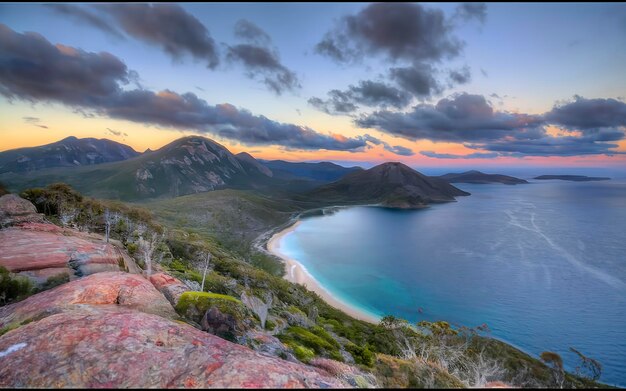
[{"x": 298, "y": 274}]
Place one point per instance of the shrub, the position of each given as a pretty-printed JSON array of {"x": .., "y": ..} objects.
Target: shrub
[
  {"x": 13, "y": 287},
  {"x": 361, "y": 355},
  {"x": 54, "y": 281}
]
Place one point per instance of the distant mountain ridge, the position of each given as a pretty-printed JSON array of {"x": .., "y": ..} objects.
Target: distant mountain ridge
[
  {"x": 477, "y": 177},
  {"x": 323, "y": 171},
  {"x": 69, "y": 152},
  {"x": 187, "y": 165},
  {"x": 388, "y": 184},
  {"x": 575, "y": 178}
]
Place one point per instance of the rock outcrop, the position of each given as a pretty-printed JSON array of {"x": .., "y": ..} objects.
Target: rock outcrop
[
  {"x": 32, "y": 247},
  {"x": 172, "y": 288},
  {"x": 119, "y": 288},
  {"x": 95, "y": 332},
  {"x": 40, "y": 251},
  {"x": 15, "y": 210}
]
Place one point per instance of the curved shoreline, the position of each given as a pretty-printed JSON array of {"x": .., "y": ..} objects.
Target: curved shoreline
[{"x": 297, "y": 273}]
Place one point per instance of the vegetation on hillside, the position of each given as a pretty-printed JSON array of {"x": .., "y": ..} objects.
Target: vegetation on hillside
[{"x": 399, "y": 354}]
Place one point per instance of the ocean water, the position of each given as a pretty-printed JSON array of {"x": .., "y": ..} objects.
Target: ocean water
[{"x": 543, "y": 265}]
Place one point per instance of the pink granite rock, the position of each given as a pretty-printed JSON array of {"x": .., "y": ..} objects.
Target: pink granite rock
[
  {"x": 115, "y": 347},
  {"x": 16, "y": 210},
  {"x": 123, "y": 289},
  {"x": 40, "y": 251},
  {"x": 172, "y": 288}
]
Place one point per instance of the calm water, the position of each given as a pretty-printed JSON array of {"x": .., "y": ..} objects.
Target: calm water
[{"x": 544, "y": 264}]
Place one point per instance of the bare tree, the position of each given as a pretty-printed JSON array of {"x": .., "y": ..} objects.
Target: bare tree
[
  {"x": 67, "y": 214},
  {"x": 147, "y": 248},
  {"x": 589, "y": 367},
  {"x": 258, "y": 306},
  {"x": 107, "y": 223},
  {"x": 206, "y": 266}
]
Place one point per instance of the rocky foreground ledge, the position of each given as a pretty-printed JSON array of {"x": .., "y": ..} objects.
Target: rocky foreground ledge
[
  {"x": 108, "y": 328},
  {"x": 114, "y": 329}
]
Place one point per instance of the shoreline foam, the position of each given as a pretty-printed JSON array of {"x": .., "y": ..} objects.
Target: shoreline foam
[{"x": 297, "y": 273}]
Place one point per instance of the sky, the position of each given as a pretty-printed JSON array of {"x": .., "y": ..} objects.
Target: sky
[{"x": 428, "y": 84}]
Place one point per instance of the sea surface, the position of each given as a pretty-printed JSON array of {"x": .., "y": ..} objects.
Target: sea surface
[{"x": 543, "y": 265}]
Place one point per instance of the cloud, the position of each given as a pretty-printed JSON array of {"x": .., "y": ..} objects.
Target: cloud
[
  {"x": 459, "y": 118},
  {"x": 552, "y": 146},
  {"x": 115, "y": 132},
  {"x": 82, "y": 15},
  {"x": 397, "y": 149},
  {"x": 367, "y": 93},
  {"x": 35, "y": 121},
  {"x": 36, "y": 70},
  {"x": 250, "y": 32},
  {"x": 475, "y": 155},
  {"x": 469, "y": 11},
  {"x": 417, "y": 79},
  {"x": 589, "y": 114},
  {"x": 395, "y": 31},
  {"x": 591, "y": 126},
  {"x": 169, "y": 26},
  {"x": 260, "y": 59},
  {"x": 460, "y": 76}
]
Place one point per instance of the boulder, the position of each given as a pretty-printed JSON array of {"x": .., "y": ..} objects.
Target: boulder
[
  {"x": 122, "y": 289},
  {"x": 111, "y": 346},
  {"x": 40, "y": 251},
  {"x": 222, "y": 315},
  {"x": 16, "y": 210},
  {"x": 172, "y": 288}
]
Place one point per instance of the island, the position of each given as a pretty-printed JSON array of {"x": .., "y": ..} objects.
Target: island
[
  {"x": 478, "y": 177},
  {"x": 575, "y": 178}
]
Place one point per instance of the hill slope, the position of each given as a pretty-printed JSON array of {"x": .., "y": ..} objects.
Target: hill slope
[
  {"x": 323, "y": 171},
  {"x": 69, "y": 152},
  {"x": 474, "y": 176},
  {"x": 186, "y": 166},
  {"x": 389, "y": 184}
]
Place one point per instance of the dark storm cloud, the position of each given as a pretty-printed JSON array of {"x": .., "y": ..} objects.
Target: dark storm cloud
[
  {"x": 589, "y": 114},
  {"x": 82, "y": 15},
  {"x": 475, "y": 155},
  {"x": 367, "y": 93},
  {"x": 460, "y": 76},
  {"x": 552, "y": 146},
  {"x": 463, "y": 117},
  {"x": 260, "y": 59},
  {"x": 471, "y": 120},
  {"x": 393, "y": 30},
  {"x": 417, "y": 79},
  {"x": 468, "y": 11},
  {"x": 169, "y": 26},
  {"x": 31, "y": 68}
]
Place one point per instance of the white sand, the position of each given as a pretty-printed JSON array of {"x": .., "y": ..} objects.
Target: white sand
[{"x": 298, "y": 274}]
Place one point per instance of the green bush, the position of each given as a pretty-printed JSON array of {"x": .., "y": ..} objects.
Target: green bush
[
  {"x": 296, "y": 335},
  {"x": 303, "y": 354},
  {"x": 361, "y": 355},
  {"x": 13, "y": 287},
  {"x": 54, "y": 281}
]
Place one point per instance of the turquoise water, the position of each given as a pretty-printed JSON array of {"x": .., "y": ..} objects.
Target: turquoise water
[{"x": 543, "y": 264}]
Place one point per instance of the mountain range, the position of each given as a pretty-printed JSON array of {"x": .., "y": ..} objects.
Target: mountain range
[
  {"x": 69, "y": 152},
  {"x": 194, "y": 164}
]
